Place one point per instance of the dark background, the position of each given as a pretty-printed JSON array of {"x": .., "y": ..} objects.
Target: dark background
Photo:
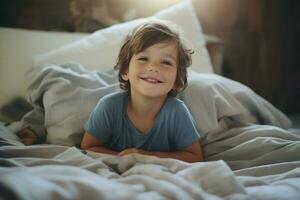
[{"x": 261, "y": 37}]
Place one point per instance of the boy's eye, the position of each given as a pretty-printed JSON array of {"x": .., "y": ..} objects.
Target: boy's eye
[
  {"x": 166, "y": 62},
  {"x": 143, "y": 58}
]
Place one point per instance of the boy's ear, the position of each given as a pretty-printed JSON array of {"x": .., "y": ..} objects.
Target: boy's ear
[{"x": 125, "y": 76}]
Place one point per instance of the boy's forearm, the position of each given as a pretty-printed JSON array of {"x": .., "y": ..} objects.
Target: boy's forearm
[
  {"x": 180, "y": 155},
  {"x": 101, "y": 149}
]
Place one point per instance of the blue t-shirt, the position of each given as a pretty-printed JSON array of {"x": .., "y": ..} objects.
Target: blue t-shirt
[{"x": 173, "y": 128}]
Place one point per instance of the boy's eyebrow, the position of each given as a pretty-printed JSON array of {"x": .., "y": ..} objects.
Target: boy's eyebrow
[
  {"x": 171, "y": 56},
  {"x": 167, "y": 55}
]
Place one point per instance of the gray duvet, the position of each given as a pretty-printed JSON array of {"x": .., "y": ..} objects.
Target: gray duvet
[{"x": 249, "y": 151}]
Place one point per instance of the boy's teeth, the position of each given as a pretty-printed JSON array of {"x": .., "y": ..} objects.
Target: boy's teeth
[{"x": 151, "y": 80}]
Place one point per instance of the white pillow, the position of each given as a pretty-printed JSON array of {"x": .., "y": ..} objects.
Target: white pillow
[
  {"x": 17, "y": 46},
  {"x": 100, "y": 49}
]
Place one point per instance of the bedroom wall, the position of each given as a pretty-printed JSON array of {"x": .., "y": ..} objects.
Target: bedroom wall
[
  {"x": 261, "y": 45},
  {"x": 262, "y": 51},
  {"x": 261, "y": 36}
]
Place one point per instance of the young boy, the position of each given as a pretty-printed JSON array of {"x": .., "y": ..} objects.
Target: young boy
[{"x": 146, "y": 117}]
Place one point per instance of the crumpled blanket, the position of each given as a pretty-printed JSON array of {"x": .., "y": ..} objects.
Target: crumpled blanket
[
  {"x": 64, "y": 95},
  {"x": 110, "y": 177},
  {"x": 212, "y": 98},
  {"x": 61, "y": 172},
  {"x": 243, "y": 159}
]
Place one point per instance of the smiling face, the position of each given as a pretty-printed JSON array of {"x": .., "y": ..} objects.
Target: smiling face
[
  {"x": 145, "y": 37},
  {"x": 152, "y": 72}
]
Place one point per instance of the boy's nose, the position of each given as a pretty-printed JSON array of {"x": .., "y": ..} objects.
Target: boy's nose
[{"x": 153, "y": 68}]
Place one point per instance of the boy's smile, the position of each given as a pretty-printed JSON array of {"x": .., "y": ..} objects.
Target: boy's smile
[
  {"x": 153, "y": 71},
  {"x": 152, "y": 79}
]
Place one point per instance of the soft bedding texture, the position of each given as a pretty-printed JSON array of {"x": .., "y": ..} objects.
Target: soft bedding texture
[
  {"x": 211, "y": 98},
  {"x": 249, "y": 150},
  {"x": 259, "y": 162},
  {"x": 244, "y": 159},
  {"x": 7, "y": 137},
  {"x": 63, "y": 96}
]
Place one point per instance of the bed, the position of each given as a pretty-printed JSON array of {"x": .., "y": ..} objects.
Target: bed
[{"x": 249, "y": 146}]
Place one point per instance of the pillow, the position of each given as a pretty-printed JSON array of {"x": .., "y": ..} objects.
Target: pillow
[
  {"x": 17, "y": 46},
  {"x": 100, "y": 49}
]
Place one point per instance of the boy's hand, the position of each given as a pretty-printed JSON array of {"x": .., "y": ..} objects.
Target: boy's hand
[
  {"x": 28, "y": 136},
  {"x": 129, "y": 151}
]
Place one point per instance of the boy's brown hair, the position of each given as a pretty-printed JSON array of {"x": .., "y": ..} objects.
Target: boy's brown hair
[{"x": 146, "y": 35}]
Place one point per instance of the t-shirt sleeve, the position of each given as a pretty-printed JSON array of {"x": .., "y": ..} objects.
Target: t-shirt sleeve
[
  {"x": 99, "y": 123},
  {"x": 185, "y": 129}
]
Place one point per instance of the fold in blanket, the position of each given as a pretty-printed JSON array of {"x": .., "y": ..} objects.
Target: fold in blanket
[
  {"x": 134, "y": 175},
  {"x": 62, "y": 97},
  {"x": 253, "y": 145},
  {"x": 211, "y": 98},
  {"x": 60, "y": 172},
  {"x": 243, "y": 161}
]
